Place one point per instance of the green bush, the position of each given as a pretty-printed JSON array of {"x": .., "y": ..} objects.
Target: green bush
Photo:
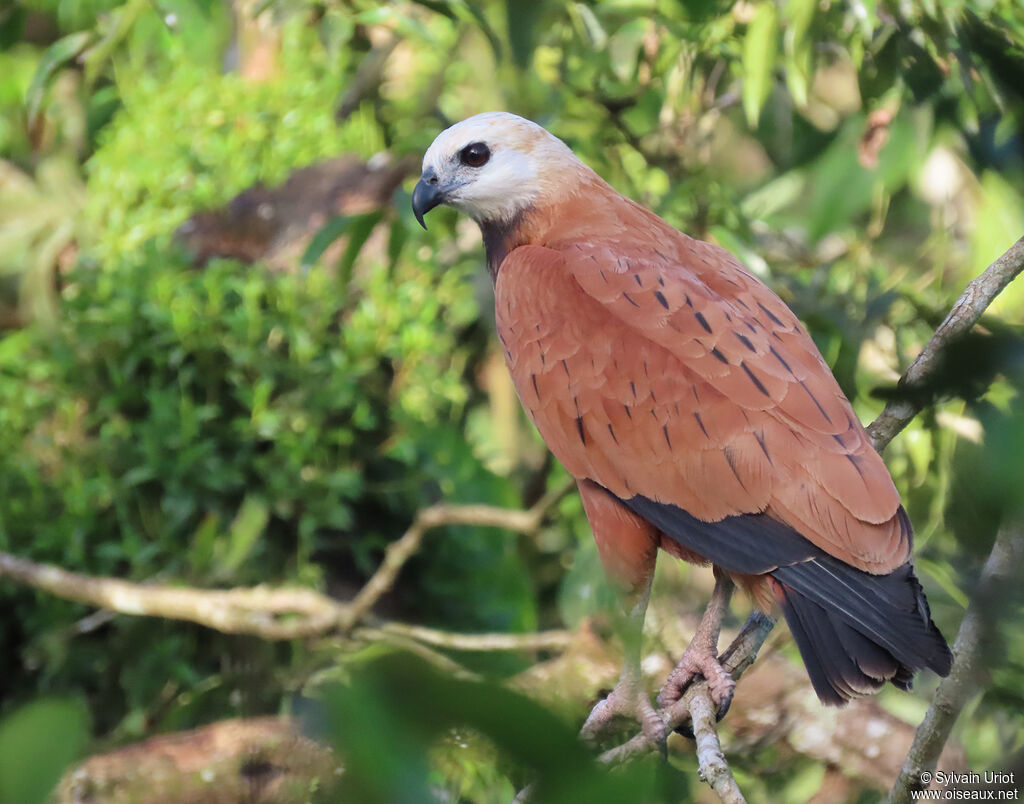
[
  {"x": 235, "y": 426},
  {"x": 189, "y": 137}
]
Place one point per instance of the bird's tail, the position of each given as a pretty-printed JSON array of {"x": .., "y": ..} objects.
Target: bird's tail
[{"x": 857, "y": 631}]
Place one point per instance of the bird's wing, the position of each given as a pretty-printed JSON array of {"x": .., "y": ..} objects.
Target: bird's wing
[{"x": 671, "y": 372}]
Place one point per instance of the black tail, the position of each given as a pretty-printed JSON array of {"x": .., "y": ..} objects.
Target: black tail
[{"x": 855, "y": 630}]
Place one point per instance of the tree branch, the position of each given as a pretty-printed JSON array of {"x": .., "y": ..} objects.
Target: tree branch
[
  {"x": 540, "y": 640},
  {"x": 736, "y": 659},
  {"x": 1000, "y": 569},
  {"x": 277, "y": 614},
  {"x": 976, "y": 298},
  {"x": 711, "y": 763},
  {"x": 403, "y": 549}
]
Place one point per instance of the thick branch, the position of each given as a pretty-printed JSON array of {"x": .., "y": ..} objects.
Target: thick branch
[
  {"x": 1000, "y": 569},
  {"x": 976, "y": 298},
  {"x": 277, "y": 614},
  {"x": 268, "y": 613}
]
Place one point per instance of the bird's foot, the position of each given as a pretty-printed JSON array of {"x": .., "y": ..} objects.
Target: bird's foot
[
  {"x": 698, "y": 663},
  {"x": 629, "y": 700}
]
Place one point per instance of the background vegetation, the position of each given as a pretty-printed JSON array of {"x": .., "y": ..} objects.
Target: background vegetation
[{"x": 233, "y": 424}]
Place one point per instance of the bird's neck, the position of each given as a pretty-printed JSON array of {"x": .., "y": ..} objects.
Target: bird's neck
[
  {"x": 503, "y": 235},
  {"x": 547, "y": 220}
]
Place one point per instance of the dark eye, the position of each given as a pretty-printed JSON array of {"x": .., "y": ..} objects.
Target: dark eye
[{"x": 475, "y": 155}]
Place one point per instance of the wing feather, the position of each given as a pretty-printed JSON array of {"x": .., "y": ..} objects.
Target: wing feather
[{"x": 670, "y": 371}]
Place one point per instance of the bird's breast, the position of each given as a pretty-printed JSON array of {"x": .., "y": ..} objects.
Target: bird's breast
[{"x": 606, "y": 400}]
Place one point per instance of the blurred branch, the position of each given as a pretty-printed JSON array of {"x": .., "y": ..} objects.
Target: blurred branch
[
  {"x": 251, "y": 759},
  {"x": 540, "y": 640},
  {"x": 277, "y": 614},
  {"x": 1000, "y": 569},
  {"x": 368, "y": 76},
  {"x": 400, "y": 551},
  {"x": 976, "y": 298}
]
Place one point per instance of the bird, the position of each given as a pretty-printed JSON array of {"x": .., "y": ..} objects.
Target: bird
[{"x": 696, "y": 415}]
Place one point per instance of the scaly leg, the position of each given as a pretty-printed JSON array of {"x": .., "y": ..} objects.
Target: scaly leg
[
  {"x": 701, "y": 657},
  {"x": 629, "y": 698}
]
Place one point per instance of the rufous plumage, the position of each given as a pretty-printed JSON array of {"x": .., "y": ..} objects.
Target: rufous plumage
[{"x": 694, "y": 411}]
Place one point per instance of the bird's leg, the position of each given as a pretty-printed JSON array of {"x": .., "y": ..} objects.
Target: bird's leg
[
  {"x": 629, "y": 698},
  {"x": 701, "y": 656}
]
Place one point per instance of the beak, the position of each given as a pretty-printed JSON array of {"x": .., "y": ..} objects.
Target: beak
[{"x": 427, "y": 195}]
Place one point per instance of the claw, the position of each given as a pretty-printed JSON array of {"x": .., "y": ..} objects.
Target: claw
[
  {"x": 693, "y": 665},
  {"x": 629, "y": 700},
  {"x": 686, "y": 727}
]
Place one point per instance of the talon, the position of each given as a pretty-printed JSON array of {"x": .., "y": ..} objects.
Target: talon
[
  {"x": 628, "y": 700},
  {"x": 598, "y": 720},
  {"x": 693, "y": 665},
  {"x": 686, "y": 728},
  {"x": 725, "y": 703}
]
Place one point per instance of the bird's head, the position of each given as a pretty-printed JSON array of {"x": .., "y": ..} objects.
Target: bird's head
[{"x": 494, "y": 166}]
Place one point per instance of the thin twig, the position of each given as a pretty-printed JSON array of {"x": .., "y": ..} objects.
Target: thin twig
[
  {"x": 1000, "y": 569},
  {"x": 976, "y": 298},
  {"x": 439, "y": 660},
  {"x": 539, "y": 640},
  {"x": 404, "y": 548},
  {"x": 711, "y": 763}
]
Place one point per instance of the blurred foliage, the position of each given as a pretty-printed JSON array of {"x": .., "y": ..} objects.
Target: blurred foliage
[
  {"x": 232, "y": 425},
  {"x": 406, "y": 710},
  {"x": 30, "y": 757}
]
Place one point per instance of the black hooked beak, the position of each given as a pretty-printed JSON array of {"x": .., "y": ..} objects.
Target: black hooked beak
[{"x": 427, "y": 195}]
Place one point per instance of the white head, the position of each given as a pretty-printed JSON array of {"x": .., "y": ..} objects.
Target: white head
[{"x": 492, "y": 166}]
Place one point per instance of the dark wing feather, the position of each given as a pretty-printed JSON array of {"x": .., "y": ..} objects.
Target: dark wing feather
[{"x": 855, "y": 630}]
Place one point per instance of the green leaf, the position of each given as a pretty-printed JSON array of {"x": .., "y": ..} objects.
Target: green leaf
[
  {"x": 469, "y": 13},
  {"x": 115, "y": 30},
  {"x": 37, "y": 743},
  {"x": 61, "y": 51},
  {"x": 1000, "y": 221},
  {"x": 397, "y": 238},
  {"x": 12, "y": 25},
  {"x": 760, "y": 47},
  {"x": 321, "y": 241},
  {"x": 249, "y": 524},
  {"x": 402, "y": 705},
  {"x": 359, "y": 231},
  {"x": 798, "y": 15},
  {"x": 522, "y": 16},
  {"x": 592, "y": 29},
  {"x": 943, "y": 576},
  {"x": 624, "y": 48},
  {"x": 204, "y": 542}
]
